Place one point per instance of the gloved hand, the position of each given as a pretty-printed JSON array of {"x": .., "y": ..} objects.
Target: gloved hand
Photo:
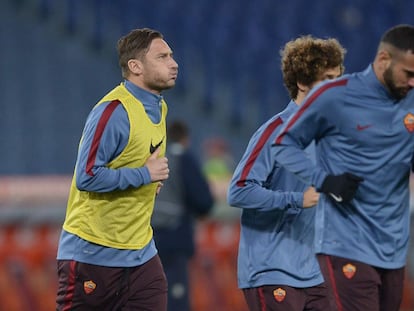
[{"x": 341, "y": 188}]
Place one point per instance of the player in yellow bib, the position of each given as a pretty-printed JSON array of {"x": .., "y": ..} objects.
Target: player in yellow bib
[{"x": 107, "y": 258}]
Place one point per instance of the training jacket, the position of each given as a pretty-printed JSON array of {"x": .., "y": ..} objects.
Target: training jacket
[
  {"x": 359, "y": 128},
  {"x": 276, "y": 238}
]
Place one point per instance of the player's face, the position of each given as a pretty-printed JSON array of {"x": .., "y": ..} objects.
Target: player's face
[
  {"x": 329, "y": 74},
  {"x": 160, "y": 70},
  {"x": 399, "y": 76}
]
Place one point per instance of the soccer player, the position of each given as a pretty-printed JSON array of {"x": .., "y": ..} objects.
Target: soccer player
[
  {"x": 107, "y": 259},
  {"x": 364, "y": 126},
  {"x": 277, "y": 269}
]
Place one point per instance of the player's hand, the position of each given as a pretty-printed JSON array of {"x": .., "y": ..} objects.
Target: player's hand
[
  {"x": 341, "y": 188},
  {"x": 310, "y": 197},
  {"x": 157, "y": 166}
]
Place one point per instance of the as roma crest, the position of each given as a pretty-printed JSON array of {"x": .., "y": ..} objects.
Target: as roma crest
[
  {"x": 409, "y": 122},
  {"x": 349, "y": 271},
  {"x": 89, "y": 287},
  {"x": 279, "y": 294}
]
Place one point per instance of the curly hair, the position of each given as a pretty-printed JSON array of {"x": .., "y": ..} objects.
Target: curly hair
[{"x": 304, "y": 59}]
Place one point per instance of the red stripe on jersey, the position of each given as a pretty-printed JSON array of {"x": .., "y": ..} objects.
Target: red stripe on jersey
[
  {"x": 256, "y": 150},
  {"x": 307, "y": 103},
  {"x": 98, "y": 135},
  {"x": 70, "y": 291}
]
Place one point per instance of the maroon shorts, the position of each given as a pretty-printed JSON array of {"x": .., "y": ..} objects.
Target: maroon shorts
[
  {"x": 286, "y": 298},
  {"x": 90, "y": 287},
  {"x": 355, "y": 286}
]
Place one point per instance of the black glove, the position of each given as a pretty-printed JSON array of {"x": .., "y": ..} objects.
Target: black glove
[{"x": 341, "y": 188}]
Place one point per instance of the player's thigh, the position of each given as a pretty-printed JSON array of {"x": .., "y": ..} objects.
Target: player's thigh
[
  {"x": 391, "y": 290},
  {"x": 275, "y": 298},
  {"x": 354, "y": 286},
  {"x": 147, "y": 288},
  {"x": 88, "y": 287},
  {"x": 317, "y": 298}
]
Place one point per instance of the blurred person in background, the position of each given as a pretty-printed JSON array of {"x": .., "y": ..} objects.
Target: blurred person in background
[
  {"x": 218, "y": 166},
  {"x": 107, "y": 258},
  {"x": 364, "y": 126},
  {"x": 184, "y": 198},
  {"x": 277, "y": 269}
]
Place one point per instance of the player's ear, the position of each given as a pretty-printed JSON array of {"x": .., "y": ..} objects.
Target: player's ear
[
  {"x": 384, "y": 59},
  {"x": 135, "y": 66},
  {"x": 302, "y": 87}
]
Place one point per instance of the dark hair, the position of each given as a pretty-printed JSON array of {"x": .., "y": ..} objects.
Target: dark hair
[
  {"x": 135, "y": 45},
  {"x": 177, "y": 130},
  {"x": 306, "y": 57},
  {"x": 401, "y": 37}
]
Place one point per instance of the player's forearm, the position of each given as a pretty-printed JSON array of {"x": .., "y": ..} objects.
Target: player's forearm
[
  {"x": 254, "y": 196},
  {"x": 106, "y": 180},
  {"x": 296, "y": 161}
]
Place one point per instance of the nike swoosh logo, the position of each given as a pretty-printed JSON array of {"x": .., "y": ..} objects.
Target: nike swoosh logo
[
  {"x": 337, "y": 198},
  {"x": 363, "y": 127},
  {"x": 153, "y": 148}
]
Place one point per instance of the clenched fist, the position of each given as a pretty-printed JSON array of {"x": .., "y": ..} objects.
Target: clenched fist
[
  {"x": 310, "y": 197},
  {"x": 157, "y": 166}
]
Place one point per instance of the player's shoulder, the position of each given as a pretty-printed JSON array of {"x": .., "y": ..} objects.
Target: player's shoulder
[
  {"x": 272, "y": 124},
  {"x": 267, "y": 130},
  {"x": 330, "y": 89},
  {"x": 334, "y": 85}
]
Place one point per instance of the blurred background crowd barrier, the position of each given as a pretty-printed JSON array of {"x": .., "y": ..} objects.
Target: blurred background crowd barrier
[{"x": 58, "y": 58}]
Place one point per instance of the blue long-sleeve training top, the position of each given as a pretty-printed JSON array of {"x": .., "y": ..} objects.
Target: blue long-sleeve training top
[
  {"x": 93, "y": 175},
  {"x": 276, "y": 238},
  {"x": 359, "y": 128}
]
